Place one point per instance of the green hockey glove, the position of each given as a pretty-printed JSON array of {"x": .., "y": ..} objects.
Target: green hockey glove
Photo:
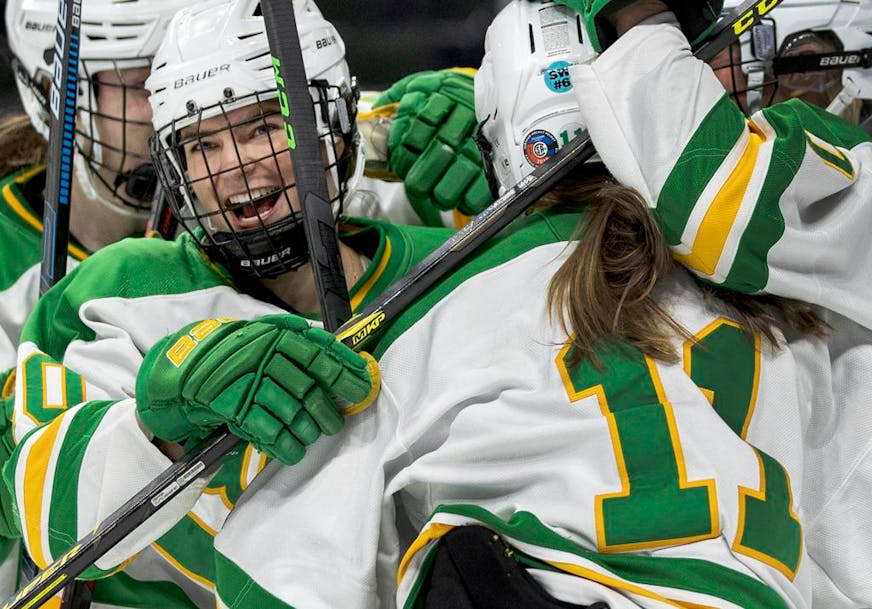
[
  {"x": 430, "y": 145},
  {"x": 696, "y": 17},
  {"x": 270, "y": 380}
]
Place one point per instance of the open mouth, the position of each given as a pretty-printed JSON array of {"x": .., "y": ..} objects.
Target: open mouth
[{"x": 252, "y": 208}]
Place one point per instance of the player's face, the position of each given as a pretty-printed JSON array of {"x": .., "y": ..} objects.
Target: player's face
[
  {"x": 817, "y": 88},
  {"x": 814, "y": 87},
  {"x": 122, "y": 120},
  {"x": 239, "y": 166}
]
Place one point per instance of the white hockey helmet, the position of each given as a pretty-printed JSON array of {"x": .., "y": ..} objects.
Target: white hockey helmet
[
  {"x": 523, "y": 92},
  {"x": 114, "y": 36},
  {"x": 820, "y": 50},
  {"x": 215, "y": 59}
]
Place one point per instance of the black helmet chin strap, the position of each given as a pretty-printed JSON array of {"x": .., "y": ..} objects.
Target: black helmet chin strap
[{"x": 264, "y": 253}]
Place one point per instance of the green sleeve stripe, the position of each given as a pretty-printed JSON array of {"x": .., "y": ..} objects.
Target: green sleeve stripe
[
  {"x": 63, "y": 515},
  {"x": 238, "y": 590},
  {"x": 121, "y": 590},
  {"x": 790, "y": 121},
  {"x": 189, "y": 548},
  {"x": 693, "y": 575},
  {"x": 129, "y": 269},
  {"x": 698, "y": 162}
]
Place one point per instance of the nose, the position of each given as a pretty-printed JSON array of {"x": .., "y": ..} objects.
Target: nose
[{"x": 234, "y": 161}]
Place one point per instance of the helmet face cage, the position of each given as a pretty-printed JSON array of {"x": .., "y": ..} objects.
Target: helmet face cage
[
  {"x": 254, "y": 226},
  {"x": 117, "y": 39},
  {"x": 758, "y": 76},
  {"x": 816, "y": 51},
  {"x": 112, "y": 139}
]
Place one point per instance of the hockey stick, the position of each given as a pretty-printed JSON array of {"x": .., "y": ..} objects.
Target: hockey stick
[
  {"x": 59, "y": 180},
  {"x": 355, "y": 332},
  {"x": 61, "y": 143},
  {"x": 311, "y": 188},
  {"x": 161, "y": 219}
]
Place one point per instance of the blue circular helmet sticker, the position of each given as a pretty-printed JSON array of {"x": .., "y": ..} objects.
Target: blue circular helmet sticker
[
  {"x": 539, "y": 146},
  {"x": 557, "y": 77}
]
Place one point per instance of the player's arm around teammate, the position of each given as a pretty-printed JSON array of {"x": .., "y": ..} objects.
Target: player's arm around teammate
[
  {"x": 775, "y": 202},
  {"x": 493, "y": 413}
]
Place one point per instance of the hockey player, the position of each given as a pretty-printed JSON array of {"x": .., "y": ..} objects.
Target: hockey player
[
  {"x": 113, "y": 177},
  {"x": 237, "y": 219},
  {"x": 776, "y": 202},
  {"x": 814, "y": 53},
  {"x": 490, "y": 412}
]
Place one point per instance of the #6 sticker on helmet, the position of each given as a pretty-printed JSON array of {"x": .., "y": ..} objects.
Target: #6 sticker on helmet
[{"x": 557, "y": 77}]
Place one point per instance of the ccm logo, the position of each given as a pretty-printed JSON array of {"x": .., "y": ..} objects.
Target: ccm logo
[{"x": 751, "y": 16}]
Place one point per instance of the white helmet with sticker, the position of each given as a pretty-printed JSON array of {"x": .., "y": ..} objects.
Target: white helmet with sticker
[{"x": 523, "y": 90}]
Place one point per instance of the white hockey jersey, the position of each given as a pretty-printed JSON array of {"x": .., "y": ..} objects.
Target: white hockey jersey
[
  {"x": 776, "y": 203},
  {"x": 81, "y": 451},
  {"x": 628, "y": 485}
]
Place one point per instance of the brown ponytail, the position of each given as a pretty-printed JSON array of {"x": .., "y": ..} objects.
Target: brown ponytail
[
  {"x": 604, "y": 291},
  {"x": 20, "y": 144}
]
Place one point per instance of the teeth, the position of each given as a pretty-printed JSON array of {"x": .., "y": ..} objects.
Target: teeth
[{"x": 248, "y": 197}]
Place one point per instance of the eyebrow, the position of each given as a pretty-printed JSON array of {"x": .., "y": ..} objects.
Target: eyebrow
[{"x": 256, "y": 113}]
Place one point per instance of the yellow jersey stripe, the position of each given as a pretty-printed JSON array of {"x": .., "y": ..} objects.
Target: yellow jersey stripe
[
  {"x": 714, "y": 230},
  {"x": 35, "y": 504},
  {"x": 187, "y": 572},
  {"x": 17, "y": 206},
  {"x": 434, "y": 531},
  {"x": 361, "y": 294}
]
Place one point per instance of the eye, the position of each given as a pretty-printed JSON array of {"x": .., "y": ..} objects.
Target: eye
[
  {"x": 200, "y": 145},
  {"x": 266, "y": 128}
]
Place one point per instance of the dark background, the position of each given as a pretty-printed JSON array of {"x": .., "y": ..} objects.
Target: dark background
[{"x": 385, "y": 39}]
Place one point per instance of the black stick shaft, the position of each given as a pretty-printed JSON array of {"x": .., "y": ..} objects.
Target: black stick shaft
[
  {"x": 61, "y": 143},
  {"x": 59, "y": 175},
  {"x": 304, "y": 144}
]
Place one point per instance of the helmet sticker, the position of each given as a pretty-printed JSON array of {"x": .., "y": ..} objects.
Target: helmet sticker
[
  {"x": 557, "y": 77},
  {"x": 539, "y": 146}
]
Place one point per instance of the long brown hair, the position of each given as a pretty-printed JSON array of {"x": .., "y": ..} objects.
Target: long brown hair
[
  {"x": 603, "y": 292},
  {"x": 20, "y": 144}
]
